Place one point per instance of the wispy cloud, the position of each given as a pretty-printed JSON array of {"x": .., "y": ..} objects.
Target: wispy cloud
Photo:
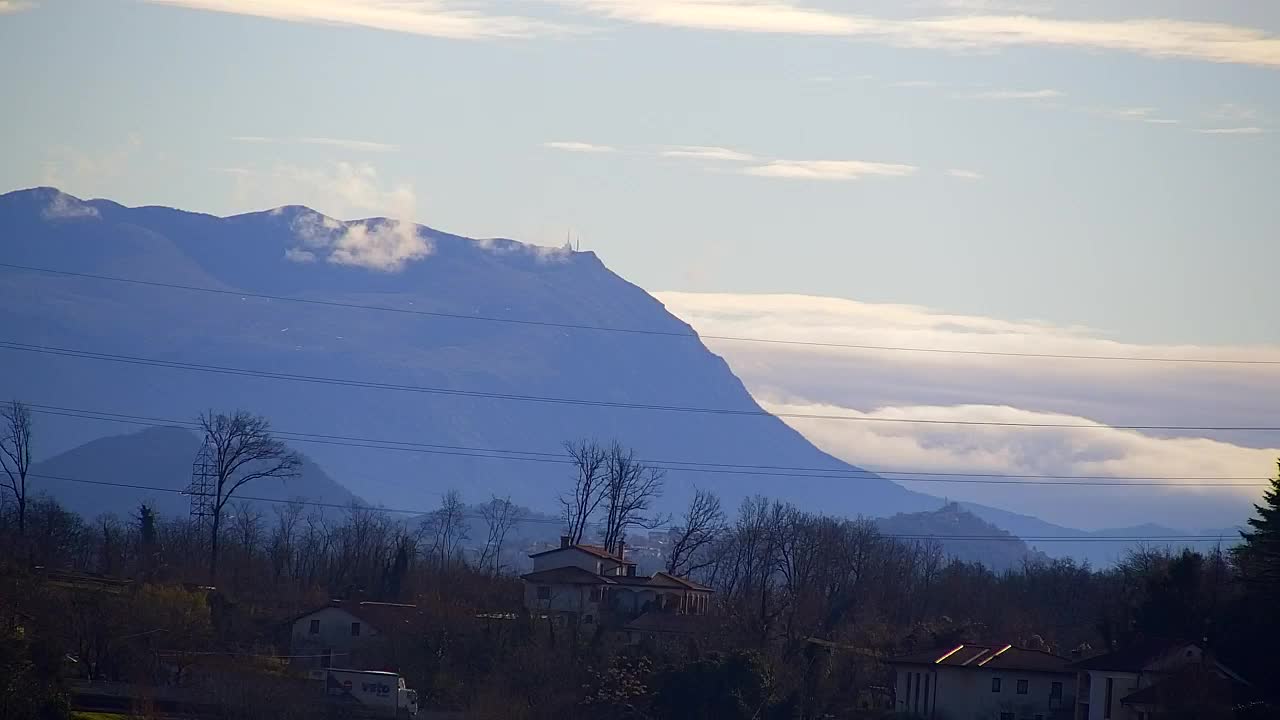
[
  {"x": 1251, "y": 130},
  {"x": 914, "y": 84},
  {"x": 1013, "y": 95},
  {"x": 361, "y": 145},
  {"x": 437, "y": 18},
  {"x": 345, "y": 144},
  {"x": 964, "y": 174},
  {"x": 12, "y": 6},
  {"x": 706, "y": 152},
  {"x": 836, "y": 170},
  {"x": 1234, "y": 111},
  {"x": 1157, "y": 37},
  {"x": 581, "y": 147}
]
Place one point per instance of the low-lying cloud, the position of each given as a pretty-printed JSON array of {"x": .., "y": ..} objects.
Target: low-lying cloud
[
  {"x": 922, "y": 384},
  {"x": 65, "y": 207},
  {"x": 385, "y": 243}
]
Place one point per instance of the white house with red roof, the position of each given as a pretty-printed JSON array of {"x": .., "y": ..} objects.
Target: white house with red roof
[{"x": 984, "y": 682}]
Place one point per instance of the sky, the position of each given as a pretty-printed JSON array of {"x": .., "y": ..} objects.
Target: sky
[{"x": 1097, "y": 175}]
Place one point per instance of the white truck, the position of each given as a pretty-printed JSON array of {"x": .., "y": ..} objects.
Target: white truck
[{"x": 371, "y": 693}]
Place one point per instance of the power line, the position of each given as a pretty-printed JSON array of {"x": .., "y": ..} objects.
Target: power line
[
  {"x": 629, "y": 331},
  {"x": 672, "y": 466},
  {"x": 552, "y": 521},
  {"x": 580, "y": 402}
]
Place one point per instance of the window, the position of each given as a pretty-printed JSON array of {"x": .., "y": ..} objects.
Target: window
[
  {"x": 326, "y": 660},
  {"x": 1106, "y": 706},
  {"x": 595, "y": 594},
  {"x": 355, "y": 629},
  {"x": 1006, "y": 716},
  {"x": 1022, "y": 687},
  {"x": 1055, "y": 691},
  {"x": 587, "y": 619},
  {"x": 544, "y": 592},
  {"x": 315, "y": 627},
  {"x": 995, "y": 684}
]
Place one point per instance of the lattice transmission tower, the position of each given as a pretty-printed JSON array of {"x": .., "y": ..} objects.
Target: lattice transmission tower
[{"x": 203, "y": 489}]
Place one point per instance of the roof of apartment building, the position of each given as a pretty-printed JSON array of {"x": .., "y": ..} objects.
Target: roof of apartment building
[{"x": 988, "y": 657}]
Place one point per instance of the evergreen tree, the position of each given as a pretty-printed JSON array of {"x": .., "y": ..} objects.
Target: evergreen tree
[{"x": 1259, "y": 557}]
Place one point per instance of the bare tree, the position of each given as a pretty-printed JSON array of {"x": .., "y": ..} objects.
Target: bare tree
[
  {"x": 243, "y": 450},
  {"x": 15, "y": 455},
  {"x": 702, "y": 526},
  {"x": 499, "y": 515},
  {"x": 630, "y": 489},
  {"x": 589, "y": 487},
  {"x": 447, "y": 528}
]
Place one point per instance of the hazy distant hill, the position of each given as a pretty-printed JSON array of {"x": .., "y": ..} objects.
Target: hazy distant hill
[
  {"x": 157, "y": 458},
  {"x": 994, "y": 547}
]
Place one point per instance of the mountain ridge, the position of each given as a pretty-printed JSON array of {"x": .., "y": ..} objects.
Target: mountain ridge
[{"x": 461, "y": 276}]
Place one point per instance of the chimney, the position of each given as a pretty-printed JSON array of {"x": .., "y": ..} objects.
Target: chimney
[
  {"x": 622, "y": 550},
  {"x": 564, "y": 541}
]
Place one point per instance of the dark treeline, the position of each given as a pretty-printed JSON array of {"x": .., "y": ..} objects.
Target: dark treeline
[{"x": 807, "y": 607}]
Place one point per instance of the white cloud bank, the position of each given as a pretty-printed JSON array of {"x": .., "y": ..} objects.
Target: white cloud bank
[
  {"x": 1154, "y": 37},
  {"x": 884, "y": 384},
  {"x": 995, "y": 27}
]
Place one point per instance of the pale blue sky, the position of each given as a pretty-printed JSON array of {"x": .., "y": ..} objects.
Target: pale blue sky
[{"x": 1082, "y": 203}]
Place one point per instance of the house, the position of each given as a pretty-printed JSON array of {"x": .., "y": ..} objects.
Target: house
[
  {"x": 1135, "y": 683},
  {"x": 348, "y": 634},
  {"x": 588, "y": 581},
  {"x": 984, "y": 682}
]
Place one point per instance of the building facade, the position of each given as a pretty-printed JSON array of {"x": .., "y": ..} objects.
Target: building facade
[
  {"x": 1134, "y": 683},
  {"x": 984, "y": 682}
]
